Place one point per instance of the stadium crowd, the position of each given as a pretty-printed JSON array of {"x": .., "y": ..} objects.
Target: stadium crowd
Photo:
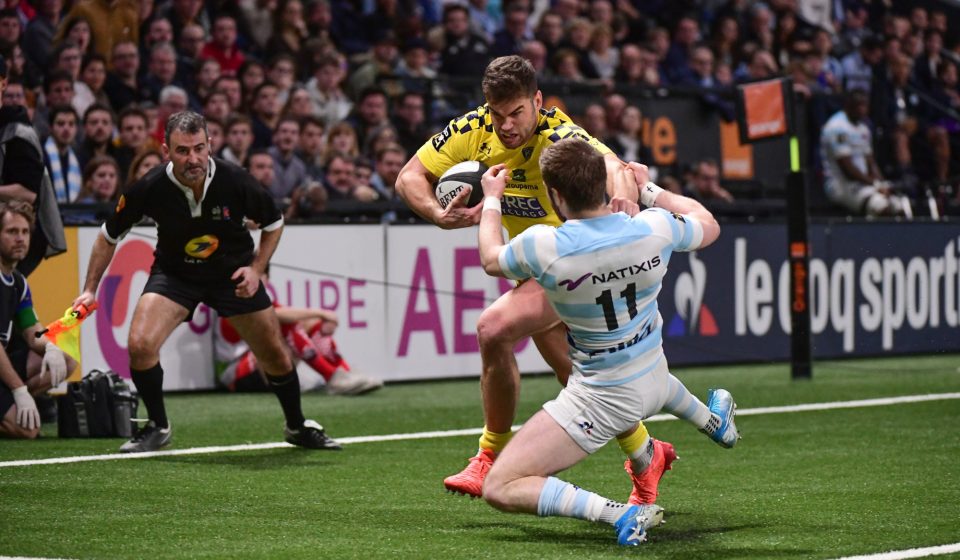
[{"x": 324, "y": 100}]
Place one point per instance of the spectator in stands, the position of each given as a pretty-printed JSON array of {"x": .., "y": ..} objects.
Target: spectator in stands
[
  {"x": 23, "y": 375},
  {"x": 39, "y": 33},
  {"x": 414, "y": 69},
  {"x": 550, "y": 31},
  {"x": 238, "y": 140},
  {"x": 230, "y": 86},
  {"x": 190, "y": 54},
  {"x": 282, "y": 71},
  {"x": 15, "y": 94},
  {"x": 686, "y": 36},
  {"x": 831, "y": 74},
  {"x": 67, "y": 57},
  {"x": 183, "y": 12},
  {"x": 215, "y": 134},
  {"x": 251, "y": 74},
  {"x": 264, "y": 113},
  {"x": 142, "y": 164},
  {"x": 289, "y": 29},
  {"x": 899, "y": 112},
  {"x": 289, "y": 171},
  {"x": 925, "y": 67},
  {"x": 759, "y": 26},
  {"x": 387, "y": 165},
  {"x": 465, "y": 53},
  {"x": 536, "y": 53},
  {"x": 484, "y": 19},
  {"x": 161, "y": 71},
  {"x": 207, "y": 72},
  {"x": 370, "y": 112},
  {"x": 173, "y": 99},
  {"x": 97, "y": 134},
  {"x": 761, "y": 66},
  {"x": 159, "y": 30},
  {"x": 111, "y": 21},
  {"x": 101, "y": 181},
  {"x": 330, "y": 102},
  {"x": 258, "y": 16},
  {"x": 579, "y": 32},
  {"x": 77, "y": 30},
  {"x": 341, "y": 182},
  {"x": 410, "y": 121},
  {"x": 383, "y": 61},
  {"x": 259, "y": 163},
  {"x": 309, "y": 202},
  {"x": 310, "y": 146},
  {"x": 594, "y": 120},
  {"x": 603, "y": 55},
  {"x": 298, "y": 103},
  {"x": 705, "y": 183},
  {"x": 565, "y": 65},
  {"x": 858, "y": 65},
  {"x": 133, "y": 137},
  {"x": 223, "y": 45},
  {"x": 59, "y": 155},
  {"x": 724, "y": 39},
  {"x": 93, "y": 74},
  {"x": 57, "y": 90},
  {"x": 632, "y": 70},
  {"x": 217, "y": 106},
  {"x": 851, "y": 176},
  {"x": 509, "y": 40},
  {"x": 122, "y": 85},
  {"x": 627, "y": 142}
]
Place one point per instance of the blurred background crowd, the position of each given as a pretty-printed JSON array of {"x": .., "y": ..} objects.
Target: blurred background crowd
[{"x": 325, "y": 100}]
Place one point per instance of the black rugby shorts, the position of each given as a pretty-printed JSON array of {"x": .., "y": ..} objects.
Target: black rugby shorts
[{"x": 218, "y": 295}]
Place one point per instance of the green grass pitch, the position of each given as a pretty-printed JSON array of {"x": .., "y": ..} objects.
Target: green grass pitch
[{"x": 817, "y": 484}]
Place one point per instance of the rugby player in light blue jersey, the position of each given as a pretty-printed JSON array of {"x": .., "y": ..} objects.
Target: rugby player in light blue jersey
[{"x": 601, "y": 272}]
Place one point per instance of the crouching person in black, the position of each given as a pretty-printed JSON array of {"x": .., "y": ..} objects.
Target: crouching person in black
[{"x": 22, "y": 375}]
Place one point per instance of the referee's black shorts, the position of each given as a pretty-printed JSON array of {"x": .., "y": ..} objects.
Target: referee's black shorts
[{"x": 218, "y": 295}]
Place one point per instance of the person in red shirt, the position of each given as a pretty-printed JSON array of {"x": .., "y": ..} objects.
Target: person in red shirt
[{"x": 223, "y": 46}]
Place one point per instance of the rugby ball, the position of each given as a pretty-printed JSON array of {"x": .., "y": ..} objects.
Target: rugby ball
[{"x": 465, "y": 175}]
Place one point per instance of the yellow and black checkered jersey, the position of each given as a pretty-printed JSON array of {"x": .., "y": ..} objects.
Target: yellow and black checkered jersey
[{"x": 471, "y": 137}]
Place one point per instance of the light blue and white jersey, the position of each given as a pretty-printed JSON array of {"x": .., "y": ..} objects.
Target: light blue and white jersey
[
  {"x": 841, "y": 138},
  {"x": 602, "y": 276}
]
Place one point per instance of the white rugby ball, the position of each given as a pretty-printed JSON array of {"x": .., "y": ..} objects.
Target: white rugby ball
[{"x": 464, "y": 175}]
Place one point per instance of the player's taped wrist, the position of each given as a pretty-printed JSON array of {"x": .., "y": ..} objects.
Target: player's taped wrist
[
  {"x": 649, "y": 194},
  {"x": 492, "y": 203}
]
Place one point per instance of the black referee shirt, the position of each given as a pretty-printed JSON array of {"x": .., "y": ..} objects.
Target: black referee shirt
[{"x": 197, "y": 242}]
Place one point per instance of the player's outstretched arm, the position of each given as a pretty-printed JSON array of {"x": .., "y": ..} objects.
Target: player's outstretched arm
[
  {"x": 415, "y": 187},
  {"x": 491, "y": 242},
  {"x": 289, "y": 315},
  {"x": 653, "y": 196},
  {"x": 100, "y": 257}
]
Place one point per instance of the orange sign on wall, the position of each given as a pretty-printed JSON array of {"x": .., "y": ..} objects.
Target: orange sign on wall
[{"x": 736, "y": 159}]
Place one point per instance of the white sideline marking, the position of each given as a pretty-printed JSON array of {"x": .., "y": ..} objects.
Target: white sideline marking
[
  {"x": 467, "y": 432},
  {"x": 909, "y": 553}
]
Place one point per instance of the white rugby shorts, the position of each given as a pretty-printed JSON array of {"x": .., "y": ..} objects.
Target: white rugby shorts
[{"x": 593, "y": 414}]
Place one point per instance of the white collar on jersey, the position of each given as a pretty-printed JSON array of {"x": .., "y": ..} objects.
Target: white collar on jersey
[{"x": 195, "y": 206}]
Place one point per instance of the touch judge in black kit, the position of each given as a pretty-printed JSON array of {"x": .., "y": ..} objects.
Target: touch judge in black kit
[{"x": 204, "y": 254}]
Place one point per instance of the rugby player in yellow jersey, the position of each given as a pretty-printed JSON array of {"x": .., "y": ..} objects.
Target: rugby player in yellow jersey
[{"x": 512, "y": 128}]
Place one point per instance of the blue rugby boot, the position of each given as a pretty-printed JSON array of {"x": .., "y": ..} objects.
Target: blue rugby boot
[
  {"x": 720, "y": 402},
  {"x": 632, "y": 526}
]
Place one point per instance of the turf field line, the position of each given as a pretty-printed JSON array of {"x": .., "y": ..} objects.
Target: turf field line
[
  {"x": 887, "y": 401},
  {"x": 909, "y": 553}
]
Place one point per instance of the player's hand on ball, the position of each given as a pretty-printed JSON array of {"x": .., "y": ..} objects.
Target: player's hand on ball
[
  {"x": 457, "y": 214},
  {"x": 494, "y": 181},
  {"x": 620, "y": 204},
  {"x": 247, "y": 282}
]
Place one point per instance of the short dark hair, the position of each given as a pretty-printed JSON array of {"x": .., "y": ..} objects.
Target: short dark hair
[
  {"x": 187, "y": 122},
  {"x": 238, "y": 119},
  {"x": 59, "y": 110},
  {"x": 577, "y": 171},
  {"x": 132, "y": 110},
  {"x": 450, "y": 8},
  {"x": 312, "y": 120},
  {"x": 255, "y": 152},
  {"x": 55, "y": 77},
  {"x": 372, "y": 90},
  {"x": 18, "y": 207},
  {"x": 98, "y": 107},
  {"x": 507, "y": 78}
]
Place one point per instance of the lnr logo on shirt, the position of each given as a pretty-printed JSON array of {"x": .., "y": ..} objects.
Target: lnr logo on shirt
[{"x": 202, "y": 247}]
